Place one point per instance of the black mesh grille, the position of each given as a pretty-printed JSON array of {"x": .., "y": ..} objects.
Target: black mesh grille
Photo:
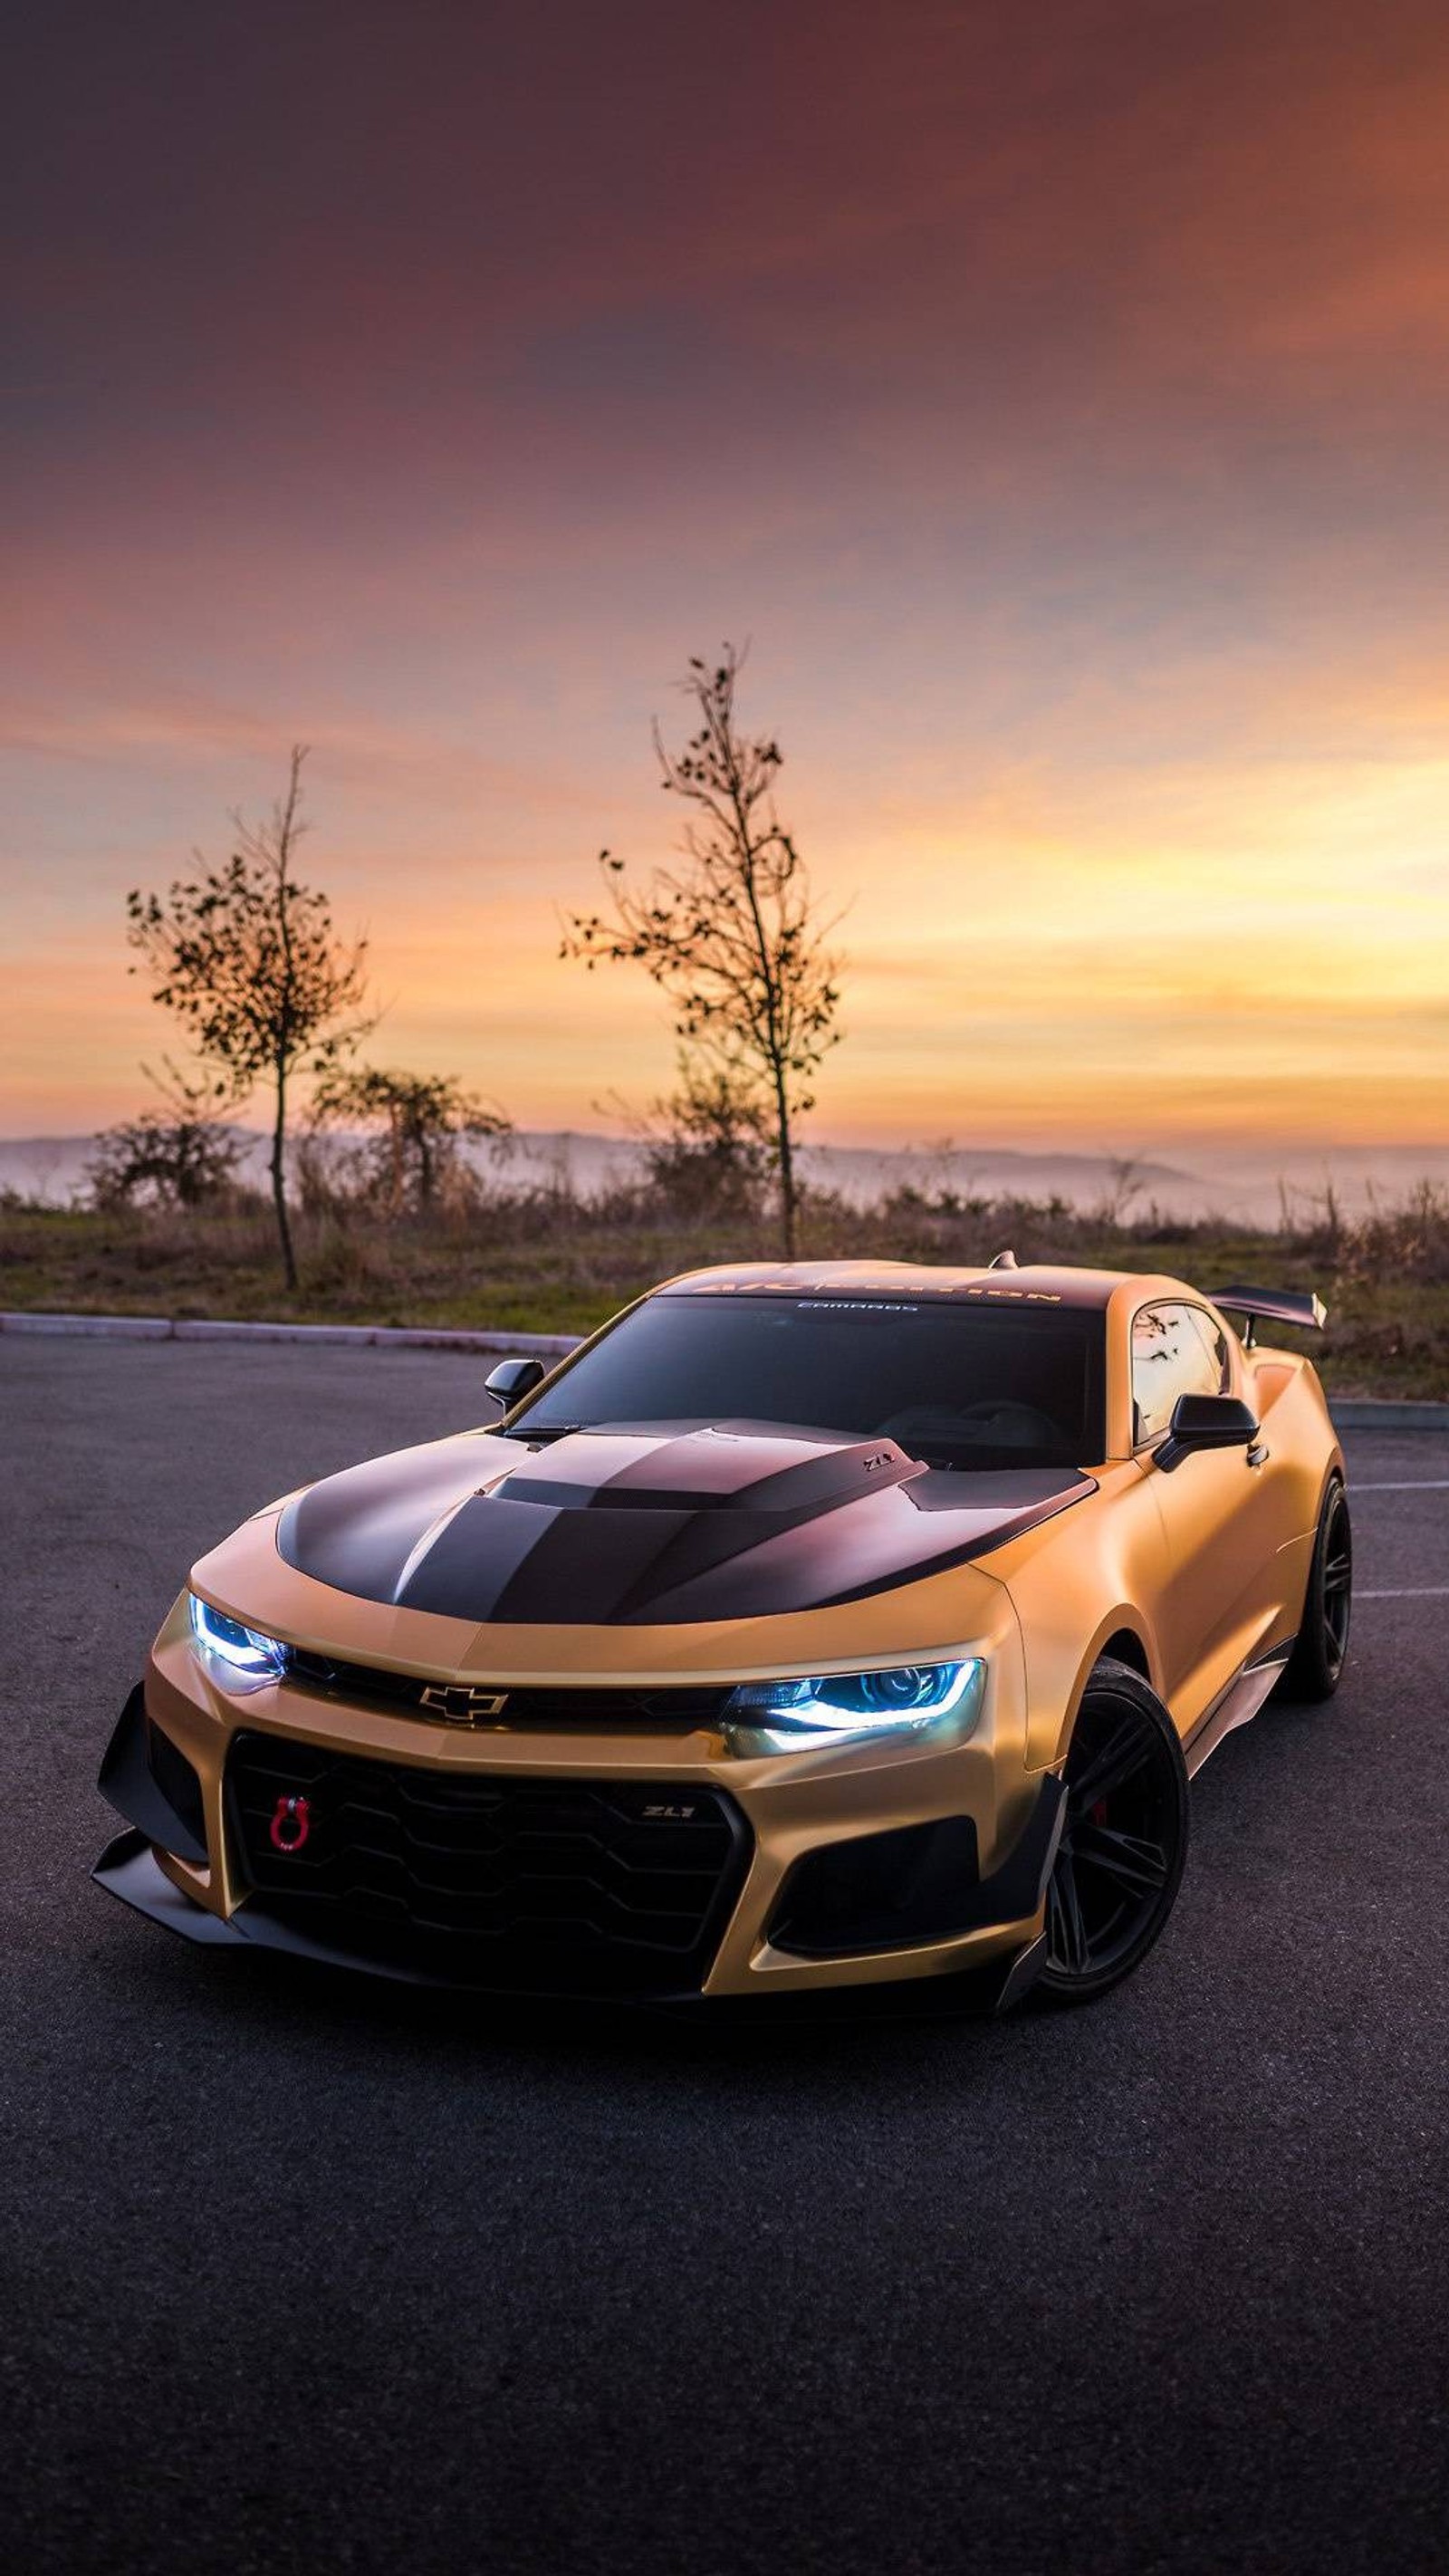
[
  {"x": 571, "y": 1885},
  {"x": 880, "y": 1891},
  {"x": 649, "y": 1710}
]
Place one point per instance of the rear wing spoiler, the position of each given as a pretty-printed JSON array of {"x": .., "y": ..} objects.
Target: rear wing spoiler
[{"x": 1296, "y": 1306}]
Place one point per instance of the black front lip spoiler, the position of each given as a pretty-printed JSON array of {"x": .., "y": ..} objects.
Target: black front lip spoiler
[{"x": 128, "y": 1868}]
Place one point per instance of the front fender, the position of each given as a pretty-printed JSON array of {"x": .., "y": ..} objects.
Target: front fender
[{"x": 1081, "y": 1587}]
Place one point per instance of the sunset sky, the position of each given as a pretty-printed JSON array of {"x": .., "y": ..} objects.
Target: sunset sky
[{"x": 1057, "y": 397}]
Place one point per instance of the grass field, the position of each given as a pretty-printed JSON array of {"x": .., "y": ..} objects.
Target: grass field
[{"x": 543, "y": 1261}]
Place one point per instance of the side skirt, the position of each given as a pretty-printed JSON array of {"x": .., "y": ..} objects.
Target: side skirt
[{"x": 1234, "y": 1706}]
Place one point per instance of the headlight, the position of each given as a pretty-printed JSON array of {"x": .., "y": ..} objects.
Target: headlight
[
  {"x": 241, "y": 1658},
  {"x": 834, "y": 1708}
]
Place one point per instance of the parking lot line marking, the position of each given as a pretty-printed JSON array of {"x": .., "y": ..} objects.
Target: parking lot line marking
[
  {"x": 1408, "y": 1485},
  {"x": 1409, "y": 1592}
]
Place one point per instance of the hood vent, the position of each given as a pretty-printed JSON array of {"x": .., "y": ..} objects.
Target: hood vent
[{"x": 709, "y": 1470}]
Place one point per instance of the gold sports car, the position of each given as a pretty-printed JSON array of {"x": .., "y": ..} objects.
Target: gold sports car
[{"x": 814, "y": 1626}]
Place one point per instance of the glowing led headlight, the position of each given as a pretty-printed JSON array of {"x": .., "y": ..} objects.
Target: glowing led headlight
[
  {"x": 241, "y": 1658},
  {"x": 832, "y": 1708}
]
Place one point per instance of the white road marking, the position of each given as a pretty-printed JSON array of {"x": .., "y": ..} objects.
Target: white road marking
[{"x": 1408, "y": 1592}]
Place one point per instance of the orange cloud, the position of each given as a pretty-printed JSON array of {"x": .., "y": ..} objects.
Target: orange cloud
[{"x": 1057, "y": 396}]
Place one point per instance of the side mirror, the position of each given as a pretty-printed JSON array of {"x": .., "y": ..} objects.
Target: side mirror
[
  {"x": 512, "y": 1380},
  {"x": 1206, "y": 1422}
]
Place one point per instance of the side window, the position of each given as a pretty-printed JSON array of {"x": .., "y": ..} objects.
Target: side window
[{"x": 1170, "y": 1357}]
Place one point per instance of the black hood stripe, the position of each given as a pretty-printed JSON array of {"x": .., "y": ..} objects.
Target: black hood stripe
[{"x": 447, "y": 1529}]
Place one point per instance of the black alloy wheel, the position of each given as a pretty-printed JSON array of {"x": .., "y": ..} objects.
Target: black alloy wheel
[
  {"x": 1315, "y": 1668},
  {"x": 1118, "y": 1866}
]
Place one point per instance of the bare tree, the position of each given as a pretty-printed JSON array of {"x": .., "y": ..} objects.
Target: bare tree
[
  {"x": 732, "y": 937},
  {"x": 419, "y": 1119},
  {"x": 248, "y": 959},
  {"x": 1124, "y": 1173}
]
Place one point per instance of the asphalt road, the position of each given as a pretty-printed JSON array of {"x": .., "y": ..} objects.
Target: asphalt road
[{"x": 302, "y": 2272}]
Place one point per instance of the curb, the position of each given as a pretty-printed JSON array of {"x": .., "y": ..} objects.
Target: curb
[
  {"x": 1350, "y": 1413},
  {"x": 1386, "y": 1413},
  {"x": 163, "y": 1328}
]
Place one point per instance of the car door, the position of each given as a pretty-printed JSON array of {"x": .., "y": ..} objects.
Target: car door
[{"x": 1218, "y": 1508}]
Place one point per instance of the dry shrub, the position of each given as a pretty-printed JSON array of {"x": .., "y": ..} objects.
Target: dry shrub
[{"x": 1407, "y": 1242}]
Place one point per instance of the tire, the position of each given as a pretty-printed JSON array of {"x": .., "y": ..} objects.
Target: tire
[
  {"x": 1315, "y": 1667},
  {"x": 1119, "y": 1864}
]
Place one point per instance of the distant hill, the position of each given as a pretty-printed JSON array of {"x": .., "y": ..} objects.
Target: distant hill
[{"x": 1246, "y": 1185}]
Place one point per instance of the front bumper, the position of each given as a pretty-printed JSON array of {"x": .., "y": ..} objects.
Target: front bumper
[
  {"x": 129, "y": 1868},
  {"x": 795, "y": 1903}
]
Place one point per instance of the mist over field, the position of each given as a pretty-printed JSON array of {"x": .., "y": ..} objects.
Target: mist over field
[{"x": 1246, "y": 1187}]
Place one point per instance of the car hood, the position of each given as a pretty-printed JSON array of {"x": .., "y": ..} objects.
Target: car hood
[{"x": 652, "y": 1527}]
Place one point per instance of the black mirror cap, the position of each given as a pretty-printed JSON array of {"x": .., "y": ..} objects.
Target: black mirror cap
[
  {"x": 514, "y": 1379},
  {"x": 1206, "y": 1422}
]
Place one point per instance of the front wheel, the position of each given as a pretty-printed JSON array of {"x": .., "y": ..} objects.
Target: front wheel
[
  {"x": 1315, "y": 1667},
  {"x": 1119, "y": 1863}
]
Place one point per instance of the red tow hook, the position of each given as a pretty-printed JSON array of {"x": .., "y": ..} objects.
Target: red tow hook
[{"x": 291, "y": 1824}]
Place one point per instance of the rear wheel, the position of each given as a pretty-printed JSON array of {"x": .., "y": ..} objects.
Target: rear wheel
[
  {"x": 1315, "y": 1667},
  {"x": 1119, "y": 1863}
]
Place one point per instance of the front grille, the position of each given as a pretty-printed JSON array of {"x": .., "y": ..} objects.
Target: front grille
[
  {"x": 566, "y": 1885},
  {"x": 647, "y": 1711}
]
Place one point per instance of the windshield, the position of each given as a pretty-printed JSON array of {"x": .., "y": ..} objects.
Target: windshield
[{"x": 959, "y": 1385}]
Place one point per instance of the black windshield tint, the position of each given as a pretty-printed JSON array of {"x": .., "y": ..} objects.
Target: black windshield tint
[{"x": 964, "y": 1385}]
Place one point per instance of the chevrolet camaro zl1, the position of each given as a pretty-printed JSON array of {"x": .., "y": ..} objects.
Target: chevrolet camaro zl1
[{"x": 811, "y": 1626}]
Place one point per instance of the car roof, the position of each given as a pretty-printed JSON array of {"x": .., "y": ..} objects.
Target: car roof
[{"x": 1034, "y": 1283}]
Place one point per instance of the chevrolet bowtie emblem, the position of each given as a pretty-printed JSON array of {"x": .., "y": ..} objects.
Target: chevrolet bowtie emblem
[{"x": 463, "y": 1703}]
